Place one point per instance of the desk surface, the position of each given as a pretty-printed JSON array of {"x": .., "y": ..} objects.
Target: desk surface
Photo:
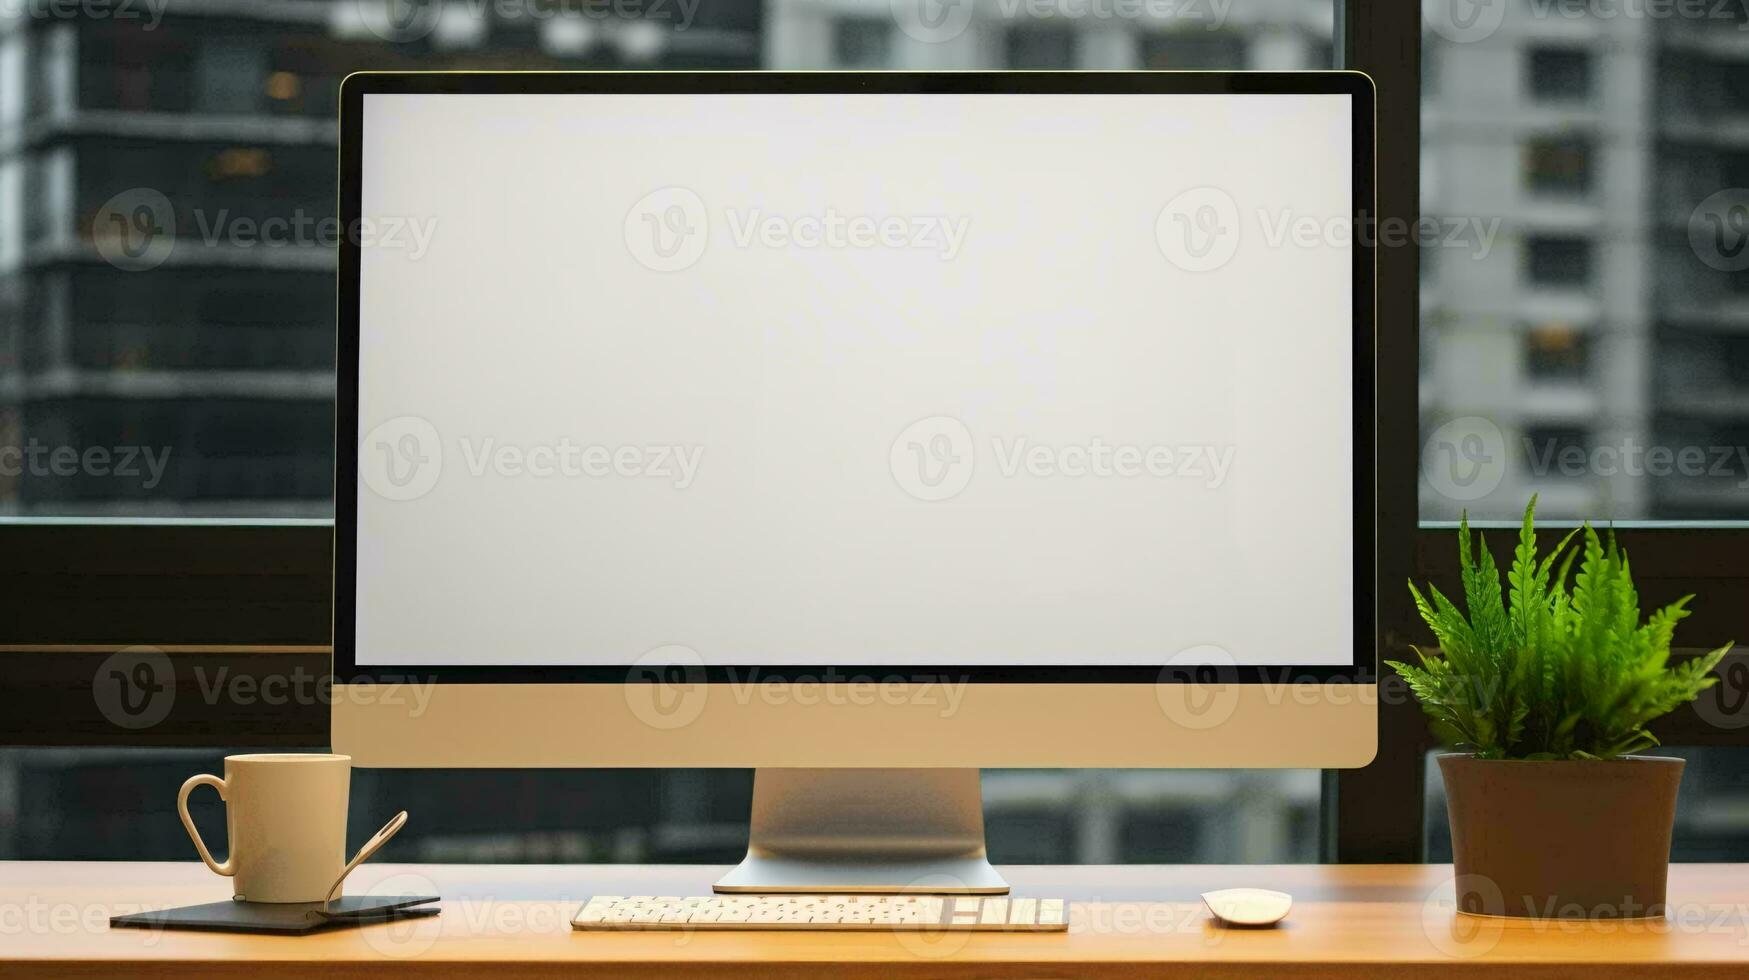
[{"x": 1383, "y": 920}]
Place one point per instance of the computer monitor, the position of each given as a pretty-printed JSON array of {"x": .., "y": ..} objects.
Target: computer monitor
[{"x": 862, "y": 428}]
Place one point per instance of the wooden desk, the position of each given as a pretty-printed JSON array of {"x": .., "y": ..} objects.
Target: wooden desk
[{"x": 1372, "y": 920}]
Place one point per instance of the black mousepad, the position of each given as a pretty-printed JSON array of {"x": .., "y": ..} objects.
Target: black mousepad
[{"x": 289, "y": 918}]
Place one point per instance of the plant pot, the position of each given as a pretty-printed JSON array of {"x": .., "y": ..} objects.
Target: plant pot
[{"x": 1583, "y": 838}]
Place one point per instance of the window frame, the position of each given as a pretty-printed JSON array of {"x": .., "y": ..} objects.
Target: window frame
[
  {"x": 1386, "y": 821},
  {"x": 250, "y": 600}
]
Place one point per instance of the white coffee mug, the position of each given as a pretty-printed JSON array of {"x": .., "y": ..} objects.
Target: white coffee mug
[{"x": 285, "y": 814}]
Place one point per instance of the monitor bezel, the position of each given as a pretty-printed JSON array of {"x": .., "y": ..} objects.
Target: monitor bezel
[{"x": 355, "y": 87}]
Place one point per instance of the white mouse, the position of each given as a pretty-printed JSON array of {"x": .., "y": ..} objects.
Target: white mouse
[{"x": 1248, "y": 906}]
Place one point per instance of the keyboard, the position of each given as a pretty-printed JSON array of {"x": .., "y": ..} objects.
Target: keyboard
[{"x": 912, "y": 913}]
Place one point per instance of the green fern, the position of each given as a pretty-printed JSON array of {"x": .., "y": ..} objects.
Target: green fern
[{"x": 1547, "y": 672}]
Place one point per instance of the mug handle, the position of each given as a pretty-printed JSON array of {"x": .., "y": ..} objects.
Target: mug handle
[{"x": 229, "y": 867}]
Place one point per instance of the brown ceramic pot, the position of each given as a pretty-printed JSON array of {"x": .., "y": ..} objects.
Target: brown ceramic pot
[{"x": 1565, "y": 839}]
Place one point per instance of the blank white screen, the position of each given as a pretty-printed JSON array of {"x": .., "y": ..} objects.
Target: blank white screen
[{"x": 531, "y": 318}]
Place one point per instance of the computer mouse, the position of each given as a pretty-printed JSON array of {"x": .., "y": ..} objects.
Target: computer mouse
[{"x": 1248, "y": 906}]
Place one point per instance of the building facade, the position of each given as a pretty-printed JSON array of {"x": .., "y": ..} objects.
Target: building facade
[
  {"x": 1586, "y": 330},
  {"x": 167, "y": 254}
]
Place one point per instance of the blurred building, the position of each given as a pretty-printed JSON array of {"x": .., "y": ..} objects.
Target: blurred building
[
  {"x": 1564, "y": 301},
  {"x": 109, "y": 804},
  {"x": 925, "y": 34},
  {"x": 224, "y": 352},
  {"x": 200, "y": 323},
  {"x": 1593, "y": 327},
  {"x": 1590, "y": 141}
]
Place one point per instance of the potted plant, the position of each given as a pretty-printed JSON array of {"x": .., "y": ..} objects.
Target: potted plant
[{"x": 1545, "y": 693}]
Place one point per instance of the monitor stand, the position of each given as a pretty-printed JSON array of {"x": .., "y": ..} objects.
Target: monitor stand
[{"x": 818, "y": 831}]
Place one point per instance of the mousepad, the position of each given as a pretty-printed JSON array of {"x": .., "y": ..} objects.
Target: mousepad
[{"x": 290, "y": 918}]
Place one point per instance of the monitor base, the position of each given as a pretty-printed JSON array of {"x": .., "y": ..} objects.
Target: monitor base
[{"x": 816, "y": 831}]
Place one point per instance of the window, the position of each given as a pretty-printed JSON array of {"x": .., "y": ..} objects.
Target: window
[
  {"x": 204, "y": 129},
  {"x": 1589, "y": 356},
  {"x": 1190, "y": 51},
  {"x": 1559, "y": 75},
  {"x": 1558, "y": 166},
  {"x": 1575, "y": 311},
  {"x": 1041, "y": 45},
  {"x": 219, "y": 360},
  {"x": 1556, "y": 352},
  {"x": 1619, "y": 246},
  {"x": 657, "y": 816},
  {"x": 1557, "y": 449},
  {"x": 210, "y": 142},
  {"x": 1557, "y": 261},
  {"x": 862, "y": 42}
]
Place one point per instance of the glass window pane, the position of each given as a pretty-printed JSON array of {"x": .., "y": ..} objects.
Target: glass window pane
[
  {"x": 862, "y": 42},
  {"x": 111, "y": 804},
  {"x": 1558, "y": 166},
  {"x": 1043, "y": 45},
  {"x": 215, "y": 356},
  {"x": 170, "y": 287},
  {"x": 1585, "y": 336},
  {"x": 1185, "y": 51},
  {"x": 1558, "y": 73}
]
